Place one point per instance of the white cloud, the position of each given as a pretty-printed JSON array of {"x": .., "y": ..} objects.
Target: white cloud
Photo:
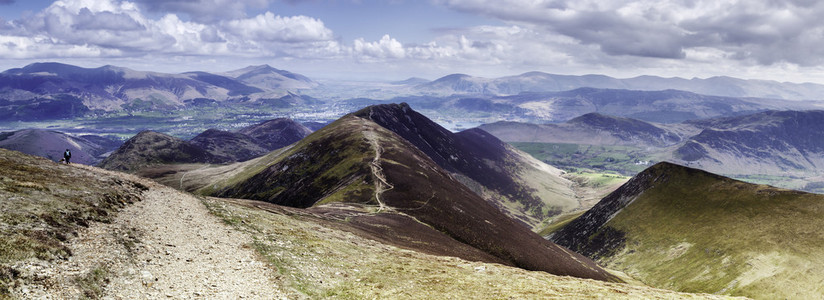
[
  {"x": 616, "y": 37},
  {"x": 112, "y": 28},
  {"x": 268, "y": 27},
  {"x": 387, "y": 47},
  {"x": 764, "y": 32}
]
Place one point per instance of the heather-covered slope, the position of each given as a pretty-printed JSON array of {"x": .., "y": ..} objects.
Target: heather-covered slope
[
  {"x": 524, "y": 187},
  {"x": 43, "y": 205},
  {"x": 330, "y": 165},
  {"x": 276, "y": 133},
  {"x": 149, "y": 148},
  {"x": 684, "y": 229},
  {"x": 229, "y": 146}
]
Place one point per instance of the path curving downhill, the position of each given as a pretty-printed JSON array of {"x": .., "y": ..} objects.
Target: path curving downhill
[{"x": 167, "y": 246}]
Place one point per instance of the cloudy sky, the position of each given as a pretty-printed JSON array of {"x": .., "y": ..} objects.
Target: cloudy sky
[{"x": 395, "y": 39}]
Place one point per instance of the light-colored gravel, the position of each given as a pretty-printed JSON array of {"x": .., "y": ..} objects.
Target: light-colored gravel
[{"x": 166, "y": 246}]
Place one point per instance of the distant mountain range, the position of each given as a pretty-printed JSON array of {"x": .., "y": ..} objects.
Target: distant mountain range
[
  {"x": 775, "y": 143},
  {"x": 47, "y": 91},
  {"x": 688, "y": 230},
  {"x": 593, "y": 129},
  {"x": 764, "y": 143},
  {"x": 69, "y": 91},
  {"x": 666, "y": 106},
  {"x": 544, "y": 82}
]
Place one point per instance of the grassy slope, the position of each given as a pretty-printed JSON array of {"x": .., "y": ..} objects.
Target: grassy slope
[
  {"x": 333, "y": 160},
  {"x": 43, "y": 204},
  {"x": 328, "y": 166},
  {"x": 620, "y": 159},
  {"x": 323, "y": 262},
  {"x": 700, "y": 233}
]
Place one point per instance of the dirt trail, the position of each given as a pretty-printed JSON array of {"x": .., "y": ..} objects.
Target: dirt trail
[
  {"x": 381, "y": 185},
  {"x": 166, "y": 246}
]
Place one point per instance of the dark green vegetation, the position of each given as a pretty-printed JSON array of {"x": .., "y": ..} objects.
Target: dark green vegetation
[
  {"x": 44, "y": 204},
  {"x": 688, "y": 230},
  {"x": 625, "y": 160},
  {"x": 148, "y": 149},
  {"x": 228, "y": 146},
  {"x": 151, "y": 148},
  {"x": 328, "y": 166}
]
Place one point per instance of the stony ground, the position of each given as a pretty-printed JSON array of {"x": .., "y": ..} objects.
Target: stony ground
[{"x": 167, "y": 245}]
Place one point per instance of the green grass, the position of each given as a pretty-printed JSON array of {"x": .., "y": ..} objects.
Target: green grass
[
  {"x": 92, "y": 284},
  {"x": 701, "y": 234},
  {"x": 318, "y": 261},
  {"x": 558, "y": 222},
  {"x": 44, "y": 204},
  {"x": 596, "y": 180},
  {"x": 573, "y": 157},
  {"x": 330, "y": 165}
]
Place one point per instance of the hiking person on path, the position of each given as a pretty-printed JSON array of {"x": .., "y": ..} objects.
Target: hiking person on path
[{"x": 67, "y": 156}]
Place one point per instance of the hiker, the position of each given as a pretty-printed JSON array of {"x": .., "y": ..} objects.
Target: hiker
[{"x": 67, "y": 156}]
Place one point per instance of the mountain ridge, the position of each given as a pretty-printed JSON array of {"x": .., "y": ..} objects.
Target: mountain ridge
[
  {"x": 355, "y": 162},
  {"x": 110, "y": 88},
  {"x": 537, "y": 81},
  {"x": 691, "y": 230},
  {"x": 479, "y": 158}
]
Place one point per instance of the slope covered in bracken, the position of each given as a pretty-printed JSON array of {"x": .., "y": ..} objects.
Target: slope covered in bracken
[{"x": 685, "y": 229}]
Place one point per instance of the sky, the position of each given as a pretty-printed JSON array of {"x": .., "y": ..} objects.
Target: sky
[{"x": 779, "y": 40}]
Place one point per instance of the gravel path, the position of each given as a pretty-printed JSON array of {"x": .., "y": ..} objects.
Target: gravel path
[
  {"x": 189, "y": 253},
  {"x": 166, "y": 246}
]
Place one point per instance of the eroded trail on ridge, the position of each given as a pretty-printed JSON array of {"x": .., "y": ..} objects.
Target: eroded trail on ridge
[
  {"x": 381, "y": 185},
  {"x": 166, "y": 246}
]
